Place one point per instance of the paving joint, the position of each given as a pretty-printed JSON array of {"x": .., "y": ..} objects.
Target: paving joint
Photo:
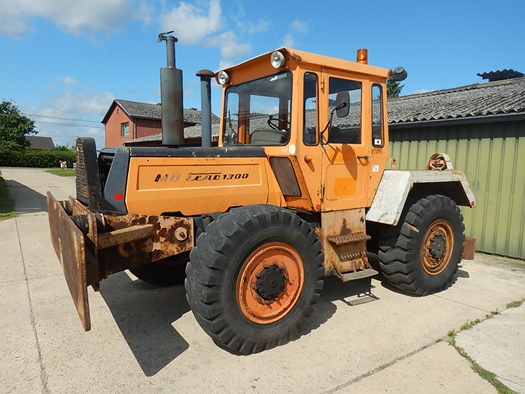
[{"x": 43, "y": 373}]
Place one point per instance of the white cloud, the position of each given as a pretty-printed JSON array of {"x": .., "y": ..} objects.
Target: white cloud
[
  {"x": 72, "y": 114},
  {"x": 299, "y": 26},
  {"x": 288, "y": 41},
  {"x": 67, "y": 80},
  {"x": 192, "y": 24},
  {"x": 230, "y": 48},
  {"x": 72, "y": 16},
  {"x": 419, "y": 91}
]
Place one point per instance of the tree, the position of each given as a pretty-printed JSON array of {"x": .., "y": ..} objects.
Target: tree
[
  {"x": 393, "y": 88},
  {"x": 14, "y": 127}
]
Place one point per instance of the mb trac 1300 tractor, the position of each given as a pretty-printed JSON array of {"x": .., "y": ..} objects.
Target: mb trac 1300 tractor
[{"x": 298, "y": 186}]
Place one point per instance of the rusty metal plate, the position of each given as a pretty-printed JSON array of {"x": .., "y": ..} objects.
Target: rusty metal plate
[{"x": 70, "y": 248}]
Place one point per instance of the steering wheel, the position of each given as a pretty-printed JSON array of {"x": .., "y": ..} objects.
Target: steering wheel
[{"x": 274, "y": 126}]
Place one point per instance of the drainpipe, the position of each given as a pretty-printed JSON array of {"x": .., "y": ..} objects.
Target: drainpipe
[
  {"x": 172, "y": 109},
  {"x": 205, "y": 76}
]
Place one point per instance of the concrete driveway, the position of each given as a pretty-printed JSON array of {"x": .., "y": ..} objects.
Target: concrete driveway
[{"x": 145, "y": 339}]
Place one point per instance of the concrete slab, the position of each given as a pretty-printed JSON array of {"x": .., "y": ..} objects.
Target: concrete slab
[
  {"x": 498, "y": 345},
  {"x": 145, "y": 338},
  {"x": 437, "y": 368}
]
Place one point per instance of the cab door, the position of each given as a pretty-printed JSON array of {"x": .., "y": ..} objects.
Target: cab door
[{"x": 345, "y": 142}]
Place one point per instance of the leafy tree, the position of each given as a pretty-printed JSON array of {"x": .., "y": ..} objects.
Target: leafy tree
[
  {"x": 14, "y": 127},
  {"x": 393, "y": 88}
]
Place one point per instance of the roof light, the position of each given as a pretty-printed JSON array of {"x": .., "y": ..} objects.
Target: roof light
[
  {"x": 223, "y": 77},
  {"x": 362, "y": 56},
  {"x": 277, "y": 59}
]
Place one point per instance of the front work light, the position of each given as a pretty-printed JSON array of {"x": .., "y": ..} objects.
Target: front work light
[
  {"x": 223, "y": 77},
  {"x": 277, "y": 59}
]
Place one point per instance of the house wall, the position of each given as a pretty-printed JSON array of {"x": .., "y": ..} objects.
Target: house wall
[
  {"x": 492, "y": 155},
  {"x": 113, "y": 128},
  {"x": 147, "y": 127}
]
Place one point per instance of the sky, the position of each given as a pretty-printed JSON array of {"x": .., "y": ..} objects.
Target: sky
[{"x": 63, "y": 62}]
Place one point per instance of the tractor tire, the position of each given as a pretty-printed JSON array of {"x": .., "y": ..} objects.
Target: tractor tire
[
  {"x": 254, "y": 277},
  {"x": 167, "y": 272},
  {"x": 421, "y": 254}
]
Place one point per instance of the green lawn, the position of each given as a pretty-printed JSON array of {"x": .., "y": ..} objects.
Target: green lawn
[
  {"x": 7, "y": 207},
  {"x": 62, "y": 171}
]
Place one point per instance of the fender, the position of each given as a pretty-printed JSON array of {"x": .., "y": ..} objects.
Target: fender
[{"x": 396, "y": 185}]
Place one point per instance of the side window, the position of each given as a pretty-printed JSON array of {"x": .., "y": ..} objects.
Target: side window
[
  {"x": 377, "y": 116},
  {"x": 345, "y": 129},
  {"x": 124, "y": 129},
  {"x": 310, "y": 109}
]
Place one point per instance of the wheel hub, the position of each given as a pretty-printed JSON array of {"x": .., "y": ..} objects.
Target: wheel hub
[
  {"x": 437, "y": 246},
  {"x": 270, "y": 282}
]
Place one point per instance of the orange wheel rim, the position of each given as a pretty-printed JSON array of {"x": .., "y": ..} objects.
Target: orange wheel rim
[
  {"x": 270, "y": 282},
  {"x": 438, "y": 244}
]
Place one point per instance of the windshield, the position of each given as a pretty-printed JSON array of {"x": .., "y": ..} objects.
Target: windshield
[{"x": 258, "y": 112}]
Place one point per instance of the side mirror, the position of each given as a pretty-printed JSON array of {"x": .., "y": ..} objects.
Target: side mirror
[
  {"x": 399, "y": 74},
  {"x": 342, "y": 104}
]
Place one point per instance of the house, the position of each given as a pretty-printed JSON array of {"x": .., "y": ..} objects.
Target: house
[
  {"x": 128, "y": 120},
  {"x": 40, "y": 143},
  {"x": 482, "y": 128}
]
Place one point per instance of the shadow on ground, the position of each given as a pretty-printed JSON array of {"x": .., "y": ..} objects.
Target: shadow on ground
[
  {"x": 144, "y": 314},
  {"x": 26, "y": 199}
]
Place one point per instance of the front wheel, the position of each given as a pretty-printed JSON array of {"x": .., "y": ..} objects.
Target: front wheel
[
  {"x": 421, "y": 255},
  {"x": 254, "y": 277}
]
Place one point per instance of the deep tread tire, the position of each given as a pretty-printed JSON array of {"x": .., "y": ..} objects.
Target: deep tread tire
[
  {"x": 222, "y": 265},
  {"x": 168, "y": 272},
  {"x": 421, "y": 255}
]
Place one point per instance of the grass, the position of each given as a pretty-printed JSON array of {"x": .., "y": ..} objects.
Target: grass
[
  {"x": 487, "y": 375},
  {"x": 62, "y": 171},
  {"x": 7, "y": 207}
]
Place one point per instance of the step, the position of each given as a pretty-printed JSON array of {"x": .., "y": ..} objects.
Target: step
[
  {"x": 348, "y": 238},
  {"x": 359, "y": 274}
]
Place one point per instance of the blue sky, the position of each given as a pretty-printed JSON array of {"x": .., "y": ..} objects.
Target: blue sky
[{"x": 63, "y": 62}]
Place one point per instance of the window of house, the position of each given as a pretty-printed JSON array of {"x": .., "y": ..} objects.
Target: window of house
[{"x": 124, "y": 129}]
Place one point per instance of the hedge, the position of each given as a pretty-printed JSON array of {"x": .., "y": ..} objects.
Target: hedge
[{"x": 36, "y": 158}]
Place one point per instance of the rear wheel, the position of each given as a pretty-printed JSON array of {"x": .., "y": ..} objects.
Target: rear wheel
[
  {"x": 421, "y": 255},
  {"x": 254, "y": 277},
  {"x": 166, "y": 272}
]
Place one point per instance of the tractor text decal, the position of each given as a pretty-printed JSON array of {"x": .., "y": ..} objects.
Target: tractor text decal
[{"x": 200, "y": 176}]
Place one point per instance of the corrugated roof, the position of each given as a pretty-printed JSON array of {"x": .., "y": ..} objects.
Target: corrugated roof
[
  {"x": 500, "y": 75},
  {"x": 482, "y": 99}
]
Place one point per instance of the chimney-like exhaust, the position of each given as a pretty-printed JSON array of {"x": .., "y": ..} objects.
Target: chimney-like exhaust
[
  {"x": 205, "y": 76},
  {"x": 172, "y": 108}
]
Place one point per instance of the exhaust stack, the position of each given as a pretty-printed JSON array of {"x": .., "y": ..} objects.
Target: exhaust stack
[
  {"x": 205, "y": 76},
  {"x": 172, "y": 108}
]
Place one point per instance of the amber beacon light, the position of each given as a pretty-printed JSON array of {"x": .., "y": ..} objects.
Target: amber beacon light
[{"x": 362, "y": 56}]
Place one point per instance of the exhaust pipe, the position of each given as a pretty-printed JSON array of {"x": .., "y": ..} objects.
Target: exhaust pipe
[
  {"x": 205, "y": 76},
  {"x": 172, "y": 108}
]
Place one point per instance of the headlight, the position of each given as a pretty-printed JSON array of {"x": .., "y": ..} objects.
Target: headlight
[
  {"x": 277, "y": 59},
  {"x": 223, "y": 77}
]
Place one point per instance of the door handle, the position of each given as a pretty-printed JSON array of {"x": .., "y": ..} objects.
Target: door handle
[{"x": 363, "y": 157}]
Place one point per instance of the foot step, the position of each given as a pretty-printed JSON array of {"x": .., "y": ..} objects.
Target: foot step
[
  {"x": 359, "y": 274},
  {"x": 348, "y": 239}
]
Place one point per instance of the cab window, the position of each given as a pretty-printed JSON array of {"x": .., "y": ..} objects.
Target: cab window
[{"x": 345, "y": 128}]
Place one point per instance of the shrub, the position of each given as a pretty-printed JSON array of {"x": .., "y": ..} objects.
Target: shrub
[{"x": 36, "y": 158}]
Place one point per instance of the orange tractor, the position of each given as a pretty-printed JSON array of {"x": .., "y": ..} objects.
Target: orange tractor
[{"x": 299, "y": 187}]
